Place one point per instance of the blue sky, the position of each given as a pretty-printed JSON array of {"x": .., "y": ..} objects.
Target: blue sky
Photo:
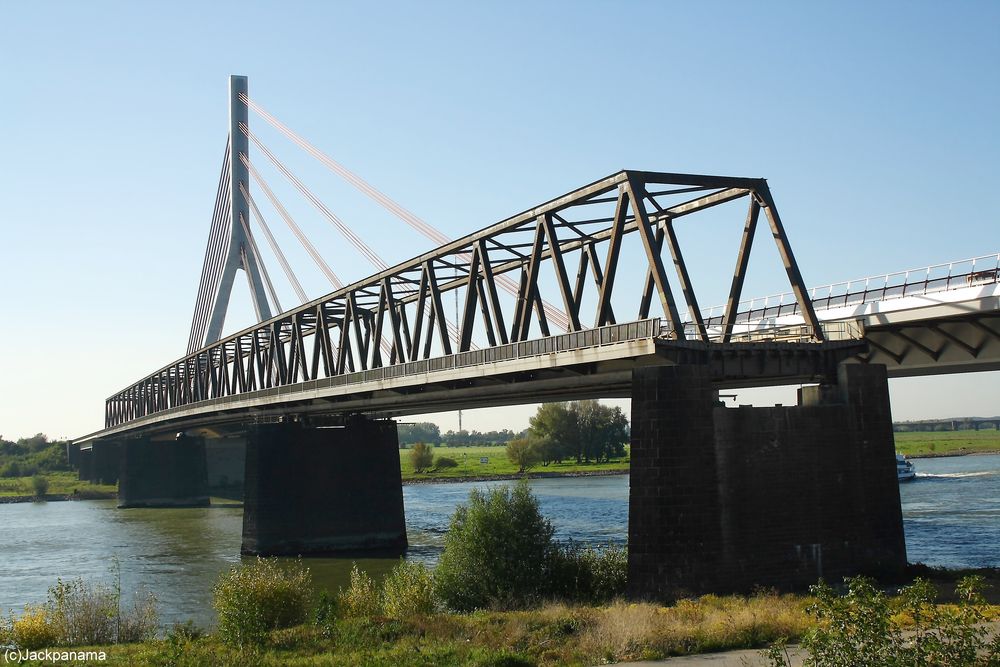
[{"x": 875, "y": 124}]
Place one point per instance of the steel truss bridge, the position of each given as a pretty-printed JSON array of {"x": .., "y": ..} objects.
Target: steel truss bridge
[{"x": 539, "y": 316}]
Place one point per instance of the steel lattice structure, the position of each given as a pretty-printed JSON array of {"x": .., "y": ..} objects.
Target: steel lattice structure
[{"x": 398, "y": 315}]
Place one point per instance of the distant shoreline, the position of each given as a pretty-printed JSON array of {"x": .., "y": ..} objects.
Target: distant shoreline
[
  {"x": 527, "y": 475},
  {"x": 944, "y": 455}
]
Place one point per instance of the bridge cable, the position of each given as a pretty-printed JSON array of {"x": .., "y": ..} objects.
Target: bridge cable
[
  {"x": 554, "y": 313},
  {"x": 296, "y": 285},
  {"x": 211, "y": 266},
  {"x": 260, "y": 263},
  {"x": 334, "y": 220},
  {"x": 209, "y": 271},
  {"x": 309, "y": 247},
  {"x": 356, "y": 241}
]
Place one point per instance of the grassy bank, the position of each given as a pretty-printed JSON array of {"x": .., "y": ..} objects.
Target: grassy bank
[
  {"x": 553, "y": 634},
  {"x": 469, "y": 465},
  {"x": 60, "y": 484},
  {"x": 948, "y": 443}
]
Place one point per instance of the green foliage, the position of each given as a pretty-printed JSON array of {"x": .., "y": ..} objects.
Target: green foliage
[
  {"x": 421, "y": 456},
  {"x": 862, "y": 628},
  {"x": 40, "y": 485},
  {"x": 496, "y": 551},
  {"x": 256, "y": 597},
  {"x": 585, "y": 574},
  {"x": 409, "y": 434},
  {"x": 585, "y": 430},
  {"x": 361, "y": 598},
  {"x": 78, "y": 613},
  {"x": 408, "y": 591},
  {"x": 522, "y": 453},
  {"x": 31, "y": 456},
  {"x": 443, "y": 462}
]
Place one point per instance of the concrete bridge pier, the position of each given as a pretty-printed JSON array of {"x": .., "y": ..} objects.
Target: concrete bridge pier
[
  {"x": 163, "y": 473},
  {"x": 315, "y": 490},
  {"x": 85, "y": 463},
  {"x": 728, "y": 499},
  {"x": 104, "y": 462}
]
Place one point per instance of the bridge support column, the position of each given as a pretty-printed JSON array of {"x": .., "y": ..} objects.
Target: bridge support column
[
  {"x": 727, "y": 499},
  {"x": 105, "y": 462},
  {"x": 226, "y": 459},
  {"x": 312, "y": 490},
  {"x": 163, "y": 473},
  {"x": 85, "y": 461}
]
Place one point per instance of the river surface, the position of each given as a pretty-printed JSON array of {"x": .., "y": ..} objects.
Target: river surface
[{"x": 951, "y": 515}]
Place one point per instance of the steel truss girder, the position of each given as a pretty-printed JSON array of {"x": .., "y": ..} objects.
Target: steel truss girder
[{"x": 397, "y": 316}]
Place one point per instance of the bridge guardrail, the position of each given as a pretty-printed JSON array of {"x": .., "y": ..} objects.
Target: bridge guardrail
[
  {"x": 606, "y": 335},
  {"x": 982, "y": 270}
]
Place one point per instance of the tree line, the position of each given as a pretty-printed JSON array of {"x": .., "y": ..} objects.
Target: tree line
[
  {"x": 583, "y": 431},
  {"x": 428, "y": 433},
  {"x": 31, "y": 456}
]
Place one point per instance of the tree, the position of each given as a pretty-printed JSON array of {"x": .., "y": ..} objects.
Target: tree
[
  {"x": 496, "y": 551},
  {"x": 585, "y": 430},
  {"x": 522, "y": 453},
  {"x": 555, "y": 426},
  {"x": 421, "y": 456},
  {"x": 418, "y": 432}
]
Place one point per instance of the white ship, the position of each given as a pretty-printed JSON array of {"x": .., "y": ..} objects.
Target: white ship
[{"x": 904, "y": 469}]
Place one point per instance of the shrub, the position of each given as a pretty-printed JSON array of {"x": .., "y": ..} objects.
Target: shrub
[
  {"x": 522, "y": 453},
  {"x": 40, "y": 485},
  {"x": 361, "y": 598},
  {"x": 863, "y": 627},
  {"x": 421, "y": 456},
  {"x": 408, "y": 591},
  {"x": 83, "y": 613},
  {"x": 588, "y": 574},
  {"x": 495, "y": 552},
  {"x": 254, "y": 598},
  {"x": 34, "y": 629},
  {"x": 443, "y": 462}
]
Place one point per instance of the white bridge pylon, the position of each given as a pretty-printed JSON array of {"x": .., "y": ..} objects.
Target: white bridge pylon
[{"x": 231, "y": 246}]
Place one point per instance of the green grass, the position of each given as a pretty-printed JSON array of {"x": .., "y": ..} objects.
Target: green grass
[
  {"x": 947, "y": 442},
  {"x": 469, "y": 465},
  {"x": 60, "y": 484}
]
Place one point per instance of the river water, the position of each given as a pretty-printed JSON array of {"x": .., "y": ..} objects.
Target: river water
[{"x": 951, "y": 515}]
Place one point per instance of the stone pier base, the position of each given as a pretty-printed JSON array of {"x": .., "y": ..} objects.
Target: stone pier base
[
  {"x": 729, "y": 499},
  {"x": 163, "y": 473},
  {"x": 313, "y": 490}
]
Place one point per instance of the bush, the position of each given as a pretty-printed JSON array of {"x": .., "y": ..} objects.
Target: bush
[
  {"x": 522, "y": 453},
  {"x": 496, "y": 551},
  {"x": 40, "y": 485},
  {"x": 443, "y": 462},
  {"x": 361, "y": 598},
  {"x": 34, "y": 629},
  {"x": 587, "y": 574},
  {"x": 408, "y": 591},
  {"x": 863, "y": 627},
  {"x": 421, "y": 456},
  {"x": 254, "y": 598}
]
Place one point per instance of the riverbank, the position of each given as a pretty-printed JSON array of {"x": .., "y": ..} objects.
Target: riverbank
[
  {"x": 58, "y": 497},
  {"x": 947, "y": 443},
  {"x": 553, "y": 633},
  {"x": 527, "y": 475}
]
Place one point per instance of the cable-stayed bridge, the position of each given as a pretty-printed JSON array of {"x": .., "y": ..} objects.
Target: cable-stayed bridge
[{"x": 544, "y": 310}]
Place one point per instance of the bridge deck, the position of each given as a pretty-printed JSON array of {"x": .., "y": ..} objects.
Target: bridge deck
[{"x": 586, "y": 364}]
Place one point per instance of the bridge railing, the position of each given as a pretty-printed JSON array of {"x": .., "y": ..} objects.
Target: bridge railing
[
  {"x": 797, "y": 333},
  {"x": 581, "y": 340},
  {"x": 982, "y": 270}
]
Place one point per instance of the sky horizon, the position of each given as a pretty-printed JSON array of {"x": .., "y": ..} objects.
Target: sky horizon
[{"x": 875, "y": 128}]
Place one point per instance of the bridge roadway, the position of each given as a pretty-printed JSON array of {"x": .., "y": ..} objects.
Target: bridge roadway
[
  {"x": 587, "y": 364},
  {"x": 917, "y": 326}
]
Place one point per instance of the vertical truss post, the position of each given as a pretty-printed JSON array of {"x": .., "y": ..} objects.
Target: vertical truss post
[{"x": 241, "y": 252}]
